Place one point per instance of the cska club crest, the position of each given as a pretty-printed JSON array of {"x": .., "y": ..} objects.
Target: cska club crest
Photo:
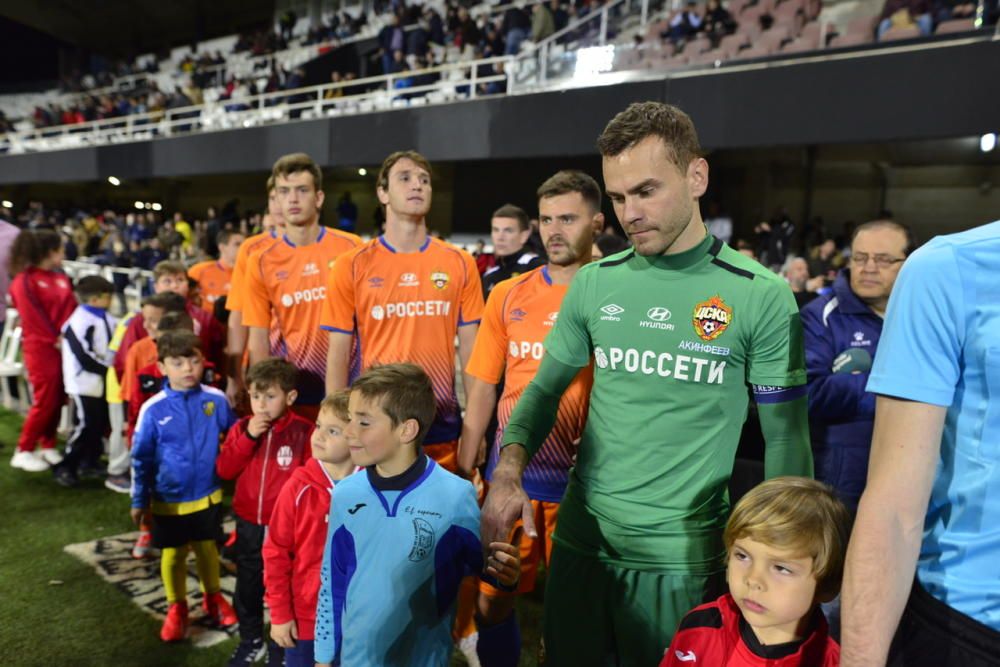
[
  {"x": 711, "y": 318},
  {"x": 439, "y": 279}
]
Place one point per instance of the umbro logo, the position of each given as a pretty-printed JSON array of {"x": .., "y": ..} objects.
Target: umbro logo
[
  {"x": 686, "y": 657},
  {"x": 517, "y": 315},
  {"x": 165, "y": 420},
  {"x": 356, "y": 508},
  {"x": 611, "y": 312}
]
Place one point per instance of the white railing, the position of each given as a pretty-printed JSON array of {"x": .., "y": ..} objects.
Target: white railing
[
  {"x": 138, "y": 279},
  {"x": 455, "y": 81}
]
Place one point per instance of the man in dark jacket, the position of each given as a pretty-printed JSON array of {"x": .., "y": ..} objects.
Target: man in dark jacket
[{"x": 841, "y": 334}]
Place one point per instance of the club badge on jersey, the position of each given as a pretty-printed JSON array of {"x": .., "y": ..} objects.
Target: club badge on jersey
[{"x": 712, "y": 318}]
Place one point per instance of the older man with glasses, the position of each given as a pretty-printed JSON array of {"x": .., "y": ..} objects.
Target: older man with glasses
[{"x": 842, "y": 331}]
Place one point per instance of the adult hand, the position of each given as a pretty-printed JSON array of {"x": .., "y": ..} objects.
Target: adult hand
[
  {"x": 284, "y": 634},
  {"x": 137, "y": 514},
  {"x": 257, "y": 425},
  {"x": 505, "y": 503}
]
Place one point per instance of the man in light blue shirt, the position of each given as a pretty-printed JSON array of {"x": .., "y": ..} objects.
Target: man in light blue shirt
[{"x": 932, "y": 504}]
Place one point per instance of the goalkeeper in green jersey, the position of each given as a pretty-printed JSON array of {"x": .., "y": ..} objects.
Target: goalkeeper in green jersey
[{"x": 677, "y": 326}]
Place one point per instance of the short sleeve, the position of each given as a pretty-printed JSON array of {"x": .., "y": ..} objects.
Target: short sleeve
[
  {"x": 256, "y": 301},
  {"x": 234, "y": 300},
  {"x": 472, "y": 293},
  {"x": 196, "y": 271},
  {"x": 339, "y": 305},
  {"x": 569, "y": 342},
  {"x": 918, "y": 353},
  {"x": 776, "y": 356},
  {"x": 489, "y": 354}
]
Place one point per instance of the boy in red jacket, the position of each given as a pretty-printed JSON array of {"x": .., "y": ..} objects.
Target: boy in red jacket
[
  {"x": 261, "y": 452},
  {"x": 786, "y": 541},
  {"x": 293, "y": 549}
]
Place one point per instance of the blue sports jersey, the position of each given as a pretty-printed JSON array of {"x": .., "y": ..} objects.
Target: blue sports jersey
[
  {"x": 396, "y": 553},
  {"x": 941, "y": 345}
]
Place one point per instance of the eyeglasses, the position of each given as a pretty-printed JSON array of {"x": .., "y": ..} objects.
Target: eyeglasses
[{"x": 881, "y": 261}]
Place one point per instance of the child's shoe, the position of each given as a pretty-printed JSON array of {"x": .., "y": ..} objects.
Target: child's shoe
[
  {"x": 275, "y": 655},
  {"x": 218, "y": 609},
  {"x": 247, "y": 652},
  {"x": 143, "y": 545},
  {"x": 175, "y": 624}
]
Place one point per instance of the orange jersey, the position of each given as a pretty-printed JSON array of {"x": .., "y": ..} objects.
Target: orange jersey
[
  {"x": 519, "y": 314},
  {"x": 214, "y": 280},
  {"x": 407, "y": 307},
  {"x": 237, "y": 281},
  {"x": 285, "y": 290},
  {"x": 142, "y": 353}
]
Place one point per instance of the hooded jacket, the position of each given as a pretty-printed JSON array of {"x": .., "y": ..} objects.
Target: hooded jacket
[
  {"x": 293, "y": 548},
  {"x": 261, "y": 466}
]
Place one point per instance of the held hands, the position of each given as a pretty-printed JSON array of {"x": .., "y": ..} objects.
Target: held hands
[
  {"x": 257, "y": 425},
  {"x": 285, "y": 634},
  {"x": 504, "y": 561},
  {"x": 505, "y": 503}
]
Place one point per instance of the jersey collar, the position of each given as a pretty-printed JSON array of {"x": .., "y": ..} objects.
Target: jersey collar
[
  {"x": 545, "y": 275},
  {"x": 322, "y": 233},
  {"x": 709, "y": 246},
  {"x": 384, "y": 242}
]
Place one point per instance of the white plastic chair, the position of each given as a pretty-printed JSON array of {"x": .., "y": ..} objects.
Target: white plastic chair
[{"x": 11, "y": 364}]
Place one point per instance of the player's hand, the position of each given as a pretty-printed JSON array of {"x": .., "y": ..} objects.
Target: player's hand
[
  {"x": 481, "y": 453},
  {"x": 504, "y": 561},
  {"x": 505, "y": 503},
  {"x": 137, "y": 514},
  {"x": 284, "y": 634},
  {"x": 257, "y": 425},
  {"x": 234, "y": 392}
]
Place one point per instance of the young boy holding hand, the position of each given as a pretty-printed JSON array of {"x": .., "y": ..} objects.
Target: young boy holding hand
[
  {"x": 293, "y": 548},
  {"x": 786, "y": 541},
  {"x": 261, "y": 452},
  {"x": 173, "y": 462},
  {"x": 403, "y": 534}
]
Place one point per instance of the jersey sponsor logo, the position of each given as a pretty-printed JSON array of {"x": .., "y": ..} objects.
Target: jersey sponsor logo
[
  {"x": 517, "y": 315},
  {"x": 408, "y": 280},
  {"x": 423, "y": 540},
  {"x": 310, "y": 269},
  {"x": 429, "y": 308},
  {"x": 656, "y": 318},
  {"x": 375, "y": 282},
  {"x": 440, "y": 279},
  {"x": 526, "y": 350},
  {"x": 303, "y": 296},
  {"x": 649, "y": 362},
  {"x": 355, "y": 509},
  {"x": 550, "y": 320},
  {"x": 686, "y": 657},
  {"x": 284, "y": 457},
  {"x": 611, "y": 313},
  {"x": 696, "y": 346},
  {"x": 711, "y": 318},
  {"x": 208, "y": 407}
]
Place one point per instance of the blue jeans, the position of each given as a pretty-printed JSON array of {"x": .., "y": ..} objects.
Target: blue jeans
[
  {"x": 924, "y": 22},
  {"x": 301, "y": 655}
]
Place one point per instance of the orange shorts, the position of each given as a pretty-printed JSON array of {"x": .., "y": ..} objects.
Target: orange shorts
[
  {"x": 445, "y": 454},
  {"x": 533, "y": 551}
]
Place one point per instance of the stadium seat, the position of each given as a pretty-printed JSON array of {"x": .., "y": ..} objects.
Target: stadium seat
[
  {"x": 755, "y": 51},
  {"x": 897, "y": 33},
  {"x": 957, "y": 25}
]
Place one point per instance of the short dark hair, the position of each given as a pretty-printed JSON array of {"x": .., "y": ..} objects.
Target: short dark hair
[
  {"x": 91, "y": 286},
  {"x": 31, "y": 247},
  {"x": 393, "y": 158},
  {"x": 646, "y": 119},
  {"x": 337, "y": 403},
  {"x": 515, "y": 213},
  {"x": 273, "y": 373},
  {"x": 293, "y": 163},
  {"x": 222, "y": 238},
  {"x": 904, "y": 229},
  {"x": 169, "y": 301},
  {"x": 176, "y": 320},
  {"x": 572, "y": 180},
  {"x": 403, "y": 391},
  {"x": 178, "y": 344}
]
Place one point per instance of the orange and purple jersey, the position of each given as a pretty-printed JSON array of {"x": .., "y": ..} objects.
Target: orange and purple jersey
[
  {"x": 407, "y": 307},
  {"x": 284, "y": 291},
  {"x": 237, "y": 282},
  {"x": 214, "y": 279},
  {"x": 519, "y": 314}
]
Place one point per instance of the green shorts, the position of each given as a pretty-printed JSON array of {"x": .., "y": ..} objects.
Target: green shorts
[{"x": 599, "y": 614}]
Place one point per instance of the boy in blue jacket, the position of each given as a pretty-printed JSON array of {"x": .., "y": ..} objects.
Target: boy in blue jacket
[
  {"x": 402, "y": 536},
  {"x": 174, "y": 449}
]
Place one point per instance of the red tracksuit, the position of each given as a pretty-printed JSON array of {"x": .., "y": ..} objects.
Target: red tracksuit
[
  {"x": 211, "y": 333},
  {"x": 263, "y": 465},
  {"x": 44, "y": 300},
  {"x": 293, "y": 548},
  {"x": 716, "y": 634}
]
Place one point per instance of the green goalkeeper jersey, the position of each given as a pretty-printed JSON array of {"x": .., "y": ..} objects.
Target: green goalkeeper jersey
[{"x": 676, "y": 340}]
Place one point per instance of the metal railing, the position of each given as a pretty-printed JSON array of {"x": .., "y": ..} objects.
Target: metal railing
[{"x": 139, "y": 281}]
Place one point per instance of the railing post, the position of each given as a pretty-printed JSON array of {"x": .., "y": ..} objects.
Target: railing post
[
  {"x": 604, "y": 27},
  {"x": 544, "y": 63},
  {"x": 645, "y": 12},
  {"x": 472, "y": 81}
]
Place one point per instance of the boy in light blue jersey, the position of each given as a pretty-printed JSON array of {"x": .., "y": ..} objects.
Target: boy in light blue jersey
[{"x": 402, "y": 535}]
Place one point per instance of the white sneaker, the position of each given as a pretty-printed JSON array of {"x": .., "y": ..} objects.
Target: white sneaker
[
  {"x": 28, "y": 461},
  {"x": 51, "y": 456},
  {"x": 467, "y": 646}
]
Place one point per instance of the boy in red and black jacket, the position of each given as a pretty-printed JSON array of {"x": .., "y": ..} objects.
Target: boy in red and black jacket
[
  {"x": 261, "y": 452},
  {"x": 786, "y": 540}
]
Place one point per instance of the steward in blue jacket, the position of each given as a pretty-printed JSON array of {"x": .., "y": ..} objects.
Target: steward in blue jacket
[{"x": 841, "y": 334}]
